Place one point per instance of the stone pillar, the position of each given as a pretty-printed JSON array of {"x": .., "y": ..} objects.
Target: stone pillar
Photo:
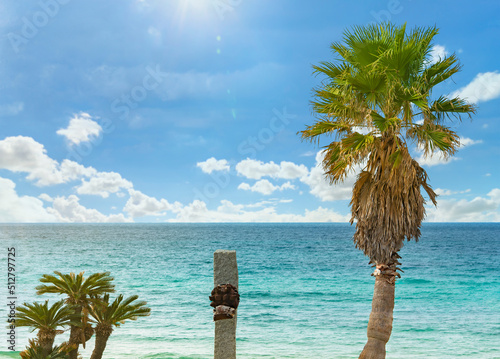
[{"x": 225, "y": 272}]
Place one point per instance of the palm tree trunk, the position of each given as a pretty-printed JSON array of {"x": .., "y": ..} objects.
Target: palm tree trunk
[
  {"x": 101, "y": 339},
  {"x": 380, "y": 323},
  {"x": 74, "y": 339},
  {"x": 46, "y": 341},
  {"x": 74, "y": 336}
]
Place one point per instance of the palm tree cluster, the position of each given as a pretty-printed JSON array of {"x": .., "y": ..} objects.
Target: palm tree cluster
[
  {"x": 86, "y": 310},
  {"x": 377, "y": 103}
]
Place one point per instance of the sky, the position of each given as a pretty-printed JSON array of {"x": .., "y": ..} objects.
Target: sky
[{"x": 188, "y": 110}]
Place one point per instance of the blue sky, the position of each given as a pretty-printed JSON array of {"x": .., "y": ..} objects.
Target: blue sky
[{"x": 188, "y": 110}]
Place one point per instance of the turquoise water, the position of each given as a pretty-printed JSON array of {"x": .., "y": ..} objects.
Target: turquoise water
[{"x": 305, "y": 290}]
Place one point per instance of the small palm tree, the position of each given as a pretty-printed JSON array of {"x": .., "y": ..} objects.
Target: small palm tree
[
  {"x": 107, "y": 315},
  {"x": 35, "y": 351},
  {"x": 46, "y": 320},
  {"x": 80, "y": 293},
  {"x": 377, "y": 101}
]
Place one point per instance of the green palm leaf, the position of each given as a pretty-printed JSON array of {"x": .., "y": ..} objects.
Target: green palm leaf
[
  {"x": 35, "y": 351},
  {"x": 119, "y": 310},
  {"x": 41, "y": 316}
]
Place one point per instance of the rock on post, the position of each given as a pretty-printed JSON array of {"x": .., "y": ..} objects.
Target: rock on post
[{"x": 225, "y": 272}]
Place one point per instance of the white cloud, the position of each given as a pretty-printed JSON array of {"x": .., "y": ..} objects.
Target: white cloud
[
  {"x": 68, "y": 209},
  {"x": 447, "y": 192},
  {"x": 265, "y": 187},
  {"x": 434, "y": 160},
  {"x": 103, "y": 183},
  {"x": 308, "y": 154},
  {"x": 271, "y": 201},
  {"x": 139, "y": 205},
  {"x": 24, "y": 154},
  {"x": 465, "y": 141},
  {"x": 15, "y": 208},
  {"x": 45, "y": 197},
  {"x": 81, "y": 128},
  {"x": 478, "y": 209},
  {"x": 362, "y": 130},
  {"x": 320, "y": 186},
  {"x": 484, "y": 87},
  {"x": 254, "y": 169},
  {"x": 71, "y": 170},
  {"x": 438, "y": 52},
  {"x": 213, "y": 164},
  {"x": 197, "y": 211},
  {"x": 11, "y": 109}
]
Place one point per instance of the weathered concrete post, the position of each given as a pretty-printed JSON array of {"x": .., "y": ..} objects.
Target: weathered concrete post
[{"x": 225, "y": 272}]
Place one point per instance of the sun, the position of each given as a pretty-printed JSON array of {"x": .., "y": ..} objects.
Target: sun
[{"x": 194, "y": 10}]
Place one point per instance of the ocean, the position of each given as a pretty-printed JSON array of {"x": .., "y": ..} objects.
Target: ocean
[{"x": 305, "y": 290}]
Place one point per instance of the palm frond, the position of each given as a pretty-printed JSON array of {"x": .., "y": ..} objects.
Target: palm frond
[
  {"x": 41, "y": 316},
  {"x": 76, "y": 287},
  {"x": 446, "y": 108},
  {"x": 431, "y": 138},
  {"x": 118, "y": 311}
]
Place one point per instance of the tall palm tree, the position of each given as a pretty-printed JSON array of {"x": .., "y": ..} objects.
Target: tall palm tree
[
  {"x": 377, "y": 102},
  {"x": 107, "y": 315},
  {"x": 46, "y": 320},
  {"x": 80, "y": 293}
]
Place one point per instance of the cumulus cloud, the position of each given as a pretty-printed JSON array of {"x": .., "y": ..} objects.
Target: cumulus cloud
[
  {"x": 45, "y": 197},
  {"x": 484, "y": 87},
  {"x": 320, "y": 186},
  {"x": 271, "y": 201},
  {"x": 139, "y": 205},
  {"x": 255, "y": 169},
  {"x": 434, "y": 160},
  {"x": 197, "y": 211},
  {"x": 213, "y": 164},
  {"x": 24, "y": 154},
  {"x": 15, "y": 208},
  {"x": 438, "y": 52},
  {"x": 479, "y": 209},
  {"x": 465, "y": 141},
  {"x": 308, "y": 154},
  {"x": 447, "y": 192},
  {"x": 81, "y": 128},
  {"x": 265, "y": 187},
  {"x": 69, "y": 209},
  {"x": 103, "y": 183}
]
